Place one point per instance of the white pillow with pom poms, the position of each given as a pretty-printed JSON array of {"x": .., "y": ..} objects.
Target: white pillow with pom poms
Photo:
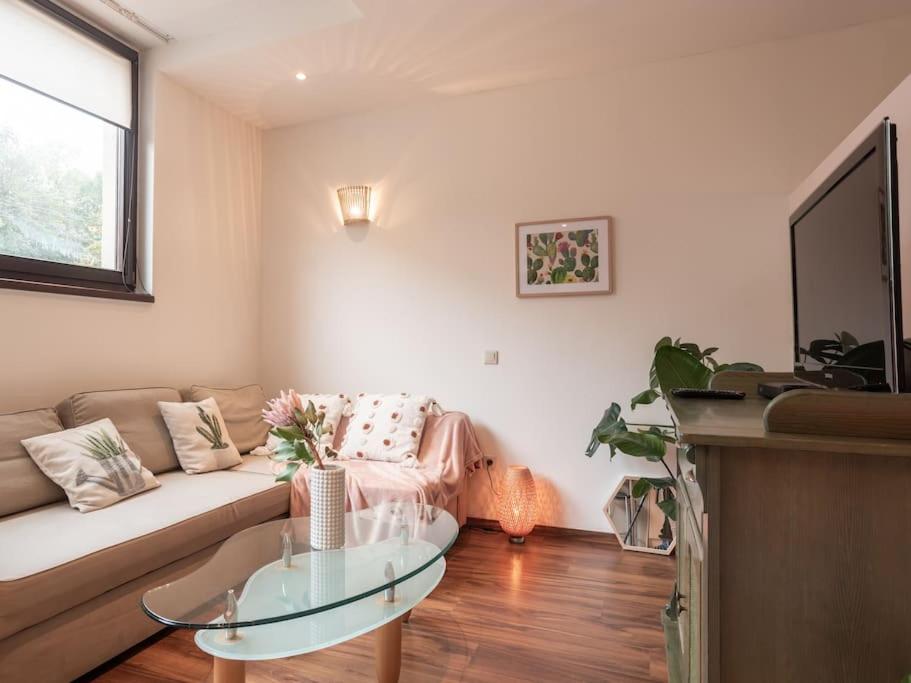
[{"x": 386, "y": 427}]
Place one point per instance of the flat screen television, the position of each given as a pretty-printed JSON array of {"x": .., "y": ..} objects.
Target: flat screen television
[{"x": 845, "y": 274}]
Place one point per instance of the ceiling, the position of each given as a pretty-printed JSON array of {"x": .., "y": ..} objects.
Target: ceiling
[{"x": 368, "y": 54}]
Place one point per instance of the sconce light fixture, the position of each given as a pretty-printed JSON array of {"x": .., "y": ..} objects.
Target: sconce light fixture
[
  {"x": 518, "y": 503},
  {"x": 354, "y": 201}
]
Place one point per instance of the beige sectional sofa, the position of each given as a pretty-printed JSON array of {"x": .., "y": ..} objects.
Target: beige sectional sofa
[{"x": 71, "y": 582}]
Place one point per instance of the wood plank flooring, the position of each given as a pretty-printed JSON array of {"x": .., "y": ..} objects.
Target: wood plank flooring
[{"x": 566, "y": 606}]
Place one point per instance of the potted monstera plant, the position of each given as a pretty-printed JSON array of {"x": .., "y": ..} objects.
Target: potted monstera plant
[{"x": 676, "y": 364}]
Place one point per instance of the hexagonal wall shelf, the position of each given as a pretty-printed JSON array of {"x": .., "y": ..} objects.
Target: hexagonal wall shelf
[{"x": 639, "y": 523}]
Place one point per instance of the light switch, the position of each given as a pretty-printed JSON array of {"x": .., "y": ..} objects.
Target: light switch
[{"x": 491, "y": 358}]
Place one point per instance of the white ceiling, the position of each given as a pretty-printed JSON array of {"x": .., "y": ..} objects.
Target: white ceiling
[{"x": 368, "y": 54}]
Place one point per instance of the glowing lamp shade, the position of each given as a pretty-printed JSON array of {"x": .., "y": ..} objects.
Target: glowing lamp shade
[
  {"x": 518, "y": 503},
  {"x": 354, "y": 201}
]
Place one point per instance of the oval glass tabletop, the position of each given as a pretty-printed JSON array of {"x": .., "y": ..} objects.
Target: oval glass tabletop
[{"x": 275, "y": 575}]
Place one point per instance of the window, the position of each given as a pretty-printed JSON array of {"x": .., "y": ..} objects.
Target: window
[{"x": 68, "y": 127}]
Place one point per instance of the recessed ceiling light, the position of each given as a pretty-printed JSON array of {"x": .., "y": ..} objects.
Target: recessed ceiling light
[
  {"x": 564, "y": 225},
  {"x": 301, "y": 76}
]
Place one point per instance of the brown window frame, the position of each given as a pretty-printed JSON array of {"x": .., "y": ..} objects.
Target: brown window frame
[{"x": 22, "y": 273}]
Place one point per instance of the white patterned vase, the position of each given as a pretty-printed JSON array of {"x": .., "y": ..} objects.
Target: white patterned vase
[{"x": 327, "y": 507}]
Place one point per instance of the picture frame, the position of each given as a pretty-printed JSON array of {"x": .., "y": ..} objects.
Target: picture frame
[{"x": 564, "y": 257}]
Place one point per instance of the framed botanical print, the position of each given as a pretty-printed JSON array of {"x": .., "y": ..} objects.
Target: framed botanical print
[{"x": 564, "y": 257}]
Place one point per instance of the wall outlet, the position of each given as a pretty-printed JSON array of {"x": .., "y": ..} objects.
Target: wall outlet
[{"x": 491, "y": 358}]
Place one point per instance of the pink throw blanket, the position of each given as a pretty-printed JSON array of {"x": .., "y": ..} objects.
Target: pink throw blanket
[{"x": 449, "y": 452}]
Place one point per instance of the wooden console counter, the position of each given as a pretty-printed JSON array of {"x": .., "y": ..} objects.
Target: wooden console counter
[{"x": 794, "y": 549}]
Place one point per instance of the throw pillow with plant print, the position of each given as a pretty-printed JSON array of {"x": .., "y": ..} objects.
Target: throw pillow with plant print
[
  {"x": 201, "y": 439},
  {"x": 92, "y": 464},
  {"x": 122, "y": 471}
]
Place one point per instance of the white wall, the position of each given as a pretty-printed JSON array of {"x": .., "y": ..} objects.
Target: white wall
[
  {"x": 203, "y": 326},
  {"x": 693, "y": 158}
]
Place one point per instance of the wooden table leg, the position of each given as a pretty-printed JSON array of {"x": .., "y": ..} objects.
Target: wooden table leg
[
  {"x": 388, "y": 651},
  {"x": 228, "y": 671}
]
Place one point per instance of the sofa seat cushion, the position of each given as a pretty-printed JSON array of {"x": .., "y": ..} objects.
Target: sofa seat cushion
[
  {"x": 135, "y": 414},
  {"x": 258, "y": 464},
  {"x": 55, "y": 558}
]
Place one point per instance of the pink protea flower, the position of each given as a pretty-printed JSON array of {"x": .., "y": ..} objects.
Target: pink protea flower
[
  {"x": 302, "y": 424},
  {"x": 280, "y": 411}
]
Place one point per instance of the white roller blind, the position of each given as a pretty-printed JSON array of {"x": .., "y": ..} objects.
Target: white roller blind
[{"x": 43, "y": 53}]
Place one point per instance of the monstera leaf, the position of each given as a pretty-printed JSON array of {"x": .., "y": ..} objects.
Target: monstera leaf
[
  {"x": 610, "y": 423},
  {"x": 613, "y": 432},
  {"x": 669, "y": 507},
  {"x": 676, "y": 368},
  {"x": 639, "y": 445},
  {"x": 644, "y": 398},
  {"x": 641, "y": 487}
]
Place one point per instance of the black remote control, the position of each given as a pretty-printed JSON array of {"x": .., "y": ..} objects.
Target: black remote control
[{"x": 718, "y": 394}]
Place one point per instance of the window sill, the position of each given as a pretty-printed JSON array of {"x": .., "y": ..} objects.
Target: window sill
[{"x": 76, "y": 290}]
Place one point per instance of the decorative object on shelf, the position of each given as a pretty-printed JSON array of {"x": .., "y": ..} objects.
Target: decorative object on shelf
[
  {"x": 300, "y": 433},
  {"x": 518, "y": 503},
  {"x": 676, "y": 364},
  {"x": 571, "y": 256},
  {"x": 354, "y": 201},
  {"x": 638, "y": 521}
]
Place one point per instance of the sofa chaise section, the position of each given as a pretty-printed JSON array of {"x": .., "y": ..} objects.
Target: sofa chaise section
[
  {"x": 82, "y": 638},
  {"x": 56, "y": 558},
  {"x": 71, "y": 582}
]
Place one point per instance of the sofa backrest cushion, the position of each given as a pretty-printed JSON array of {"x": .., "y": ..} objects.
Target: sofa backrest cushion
[
  {"x": 242, "y": 410},
  {"x": 135, "y": 414},
  {"x": 22, "y": 485}
]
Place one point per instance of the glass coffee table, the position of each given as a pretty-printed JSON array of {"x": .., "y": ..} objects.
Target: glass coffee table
[{"x": 266, "y": 594}]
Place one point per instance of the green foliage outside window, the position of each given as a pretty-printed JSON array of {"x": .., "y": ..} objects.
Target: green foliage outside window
[{"x": 49, "y": 209}]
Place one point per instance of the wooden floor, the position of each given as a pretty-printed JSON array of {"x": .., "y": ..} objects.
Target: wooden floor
[{"x": 560, "y": 608}]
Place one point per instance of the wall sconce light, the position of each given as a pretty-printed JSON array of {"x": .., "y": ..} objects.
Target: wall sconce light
[
  {"x": 354, "y": 201},
  {"x": 518, "y": 503}
]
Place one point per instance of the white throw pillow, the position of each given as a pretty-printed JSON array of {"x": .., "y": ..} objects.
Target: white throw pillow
[
  {"x": 334, "y": 406},
  {"x": 386, "y": 427},
  {"x": 91, "y": 463},
  {"x": 200, "y": 437}
]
